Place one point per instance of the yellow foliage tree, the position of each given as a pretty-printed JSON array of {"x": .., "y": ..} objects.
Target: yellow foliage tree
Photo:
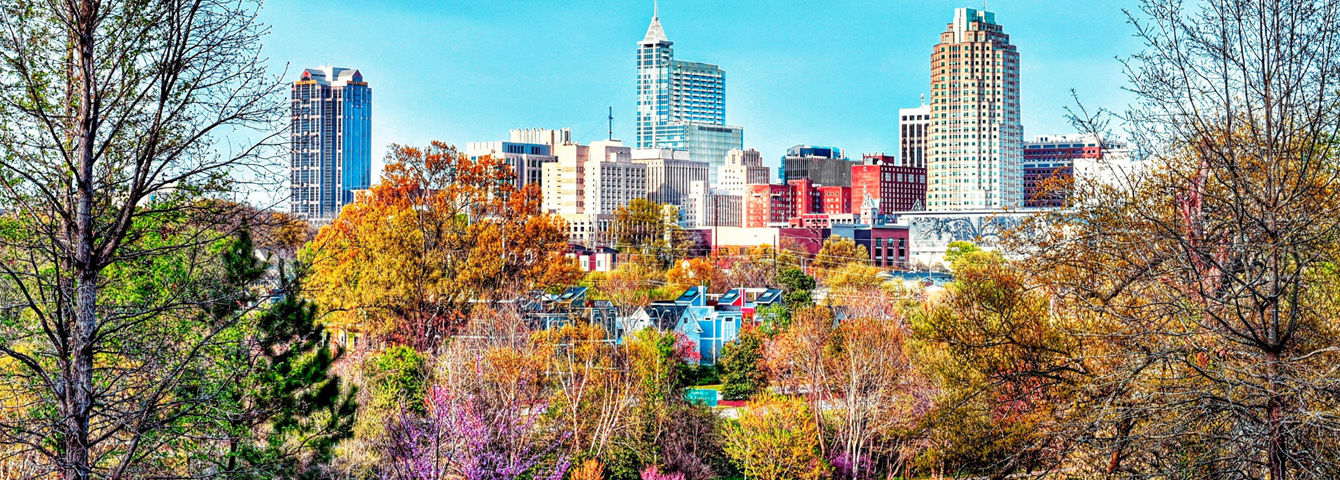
[
  {"x": 407, "y": 258},
  {"x": 775, "y": 439}
]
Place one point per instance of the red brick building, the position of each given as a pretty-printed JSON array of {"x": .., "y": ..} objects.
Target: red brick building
[
  {"x": 897, "y": 188},
  {"x": 766, "y": 204},
  {"x": 835, "y": 199}
]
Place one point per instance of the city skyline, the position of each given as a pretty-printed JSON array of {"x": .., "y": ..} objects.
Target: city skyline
[{"x": 846, "y": 97}]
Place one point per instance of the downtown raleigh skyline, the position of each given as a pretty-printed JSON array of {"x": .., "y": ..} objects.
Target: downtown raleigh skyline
[{"x": 961, "y": 150}]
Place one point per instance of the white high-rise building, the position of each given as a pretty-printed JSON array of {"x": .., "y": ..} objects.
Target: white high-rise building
[
  {"x": 612, "y": 179},
  {"x": 974, "y": 154},
  {"x": 708, "y": 207}
]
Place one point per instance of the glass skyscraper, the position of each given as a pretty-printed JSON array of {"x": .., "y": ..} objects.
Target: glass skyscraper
[
  {"x": 682, "y": 105},
  {"x": 330, "y": 140}
]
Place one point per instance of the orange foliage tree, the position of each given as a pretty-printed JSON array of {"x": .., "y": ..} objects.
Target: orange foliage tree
[{"x": 406, "y": 259}]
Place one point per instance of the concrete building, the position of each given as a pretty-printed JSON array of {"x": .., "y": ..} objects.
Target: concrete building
[
  {"x": 706, "y": 207},
  {"x": 592, "y": 180},
  {"x": 542, "y": 136},
  {"x": 893, "y": 187},
  {"x": 681, "y": 105},
  {"x": 742, "y": 168},
  {"x": 670, "y": 174},
  {"x": 612, "y": 179},
  {"x": 330, "y": 120},
  {"x": 974, "y": 154},
  {"x": 525, "y": 159},
  {"x": 821, "y": 165},
  {"x": 913, "y": 123},
  {"x": 563, "y": 184}
]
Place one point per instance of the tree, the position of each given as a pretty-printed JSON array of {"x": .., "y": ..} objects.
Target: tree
[
  {"x": 1005, "y": 367},
  {"x": 959, "y": 248},
  {"x": 650, "y": 230},
  {"x": 441, "y": 230},
  {"x": 469, "y": 438},
  {"x": 294, "y": 410},
  {"x": 741, "y": 362},
  {"x": 1205, "y": 281},
  {"x": 838, "y": 252},
  {"x": 114, "y": 115},
  {"x": 695, "y": 272},
  {"x": 798, "y": 286},
  {"x": 775, "y": 440}
]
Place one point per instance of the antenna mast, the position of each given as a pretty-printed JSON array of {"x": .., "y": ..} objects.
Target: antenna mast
[{"x": 611, "y": 124}]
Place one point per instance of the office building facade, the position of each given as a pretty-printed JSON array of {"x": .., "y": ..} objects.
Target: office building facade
[
  {"x": 681, "y": 105},
  {"x": 330, "y": 141},
  {"x": 670, "y": 174},
  {"x": 913, "y": 123},
  {"x": 974, "y": 153},
  {"x": 821, "y": 165},
  {"x": 742, "y": 168},
  {"x": 526, "y": 160}
]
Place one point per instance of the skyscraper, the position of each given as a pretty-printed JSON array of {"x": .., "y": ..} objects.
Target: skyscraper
[
  {"x": 682, "y": 105},
  {"x": 331, "y": 141},
  {"x": 974, "y": 151},
  {"x": 912, "y": 123}
]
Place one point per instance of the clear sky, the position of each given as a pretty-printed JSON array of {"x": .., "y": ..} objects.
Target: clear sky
[{"x": 797, "y": 71}]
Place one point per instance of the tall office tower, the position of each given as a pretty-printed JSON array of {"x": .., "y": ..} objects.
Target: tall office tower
[
  {"x": 670, "y": 174},
  {"x": 682, "y": 105},
  {"x": 912, "y": 125},
  {"x": 742, "y": 168},
  {"x": 974, "y": 151},
  {"x": 821, "y": 165},
  {"x": 330, "y": 141}
]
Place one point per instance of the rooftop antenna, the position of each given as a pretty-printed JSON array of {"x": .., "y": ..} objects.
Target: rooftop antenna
[
  {"x": 611, "y": 123},
  {"x": 655, "y": 8}
]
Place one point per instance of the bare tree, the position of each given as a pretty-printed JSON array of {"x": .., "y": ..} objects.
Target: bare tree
[
  {"x": 117, "y": 120},
  {"x": 1205, "y": 288}
]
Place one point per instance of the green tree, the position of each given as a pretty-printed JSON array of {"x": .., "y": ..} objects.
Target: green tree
[
  {"x": 798, "y": 286},
  {"x": 959, "y": 248},
  {"x": 650, "y": 230},
  {"x": 298, "y": 410},
  {"x": 741, "y": 364}
]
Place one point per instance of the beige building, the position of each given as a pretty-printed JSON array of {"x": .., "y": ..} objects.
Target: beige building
[
  {"x": 587, "y": 183},
  {"x": 974, "y": 154},
  {"x": 742, "y": 168},
  {"x": 670, "y": 174},
  {"x": 708, "y": 207}
]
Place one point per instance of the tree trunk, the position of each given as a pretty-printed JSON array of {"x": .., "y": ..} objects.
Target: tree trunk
[{"x": 79, "y": 385}]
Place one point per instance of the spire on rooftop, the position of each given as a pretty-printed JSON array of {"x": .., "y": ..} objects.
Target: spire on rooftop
[{"x": 654, "y": 32}]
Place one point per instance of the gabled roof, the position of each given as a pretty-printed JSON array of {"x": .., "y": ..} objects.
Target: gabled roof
[{"x": 665, "y": 316}]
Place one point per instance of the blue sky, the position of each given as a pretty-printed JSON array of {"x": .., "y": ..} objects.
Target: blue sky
[{"x": 819, "y": 72}]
